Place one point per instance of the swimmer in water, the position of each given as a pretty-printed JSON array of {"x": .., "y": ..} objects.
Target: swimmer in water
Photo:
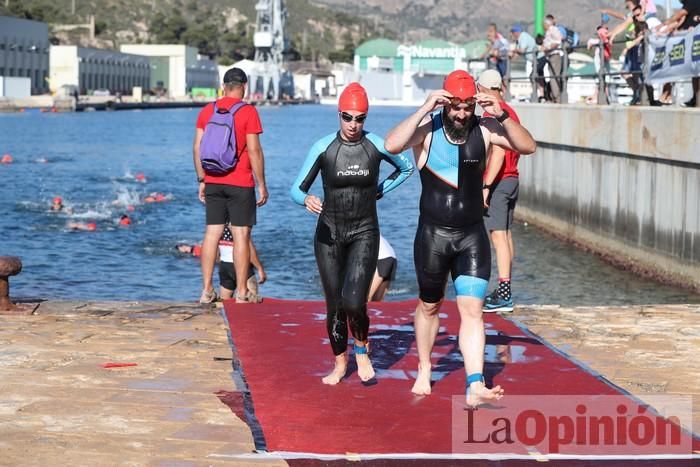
[
  {"x": 57, "y": 204},
  {"x": 140, "y": 177},
  {"x": 124, "y": 220},
  {"x": 346, "y": 243},
  {"x": 450, "y": 144},
  {"x": 6, "y": 159},
  {"x": 87, "y": 226},
  {"x": 155, "y": 197},
  {"x": 194, "y": 250}
]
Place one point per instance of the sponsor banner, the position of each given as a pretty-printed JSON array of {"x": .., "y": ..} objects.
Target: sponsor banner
[
  {"x": 673, "y": 58},
  {"x": 575, "y": 425}
]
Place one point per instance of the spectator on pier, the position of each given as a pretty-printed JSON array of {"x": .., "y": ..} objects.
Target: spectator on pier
[
  {"x": 686, "y": 18},
  {"x": 552, "y": 48},
  {"x": 525, "y": 47},
  {"x": 497, "y": 53}
]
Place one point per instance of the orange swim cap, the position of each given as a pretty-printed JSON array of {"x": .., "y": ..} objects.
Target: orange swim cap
[
  {"x": 6, "y": 159},
  {"x": 460, "y": 84},
  {"x": 196, "y": 250},
  {"x": 125, "y": 221},
  {"x": 353, "y": 97},
  {"x": 91, "y": 226},
  {"x": 140, "y": 176},
  {"x": 57, "y": 200},
  {"x": 160, "y": 197}
]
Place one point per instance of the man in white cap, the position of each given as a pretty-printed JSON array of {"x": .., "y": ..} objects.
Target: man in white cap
[{"x": 500, "y": 196}]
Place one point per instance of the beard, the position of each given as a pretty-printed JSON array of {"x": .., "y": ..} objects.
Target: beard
[{"x": 457, "y": 131}]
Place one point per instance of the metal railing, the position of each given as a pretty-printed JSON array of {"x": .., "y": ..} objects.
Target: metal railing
[{"x": 563, "y": 75}]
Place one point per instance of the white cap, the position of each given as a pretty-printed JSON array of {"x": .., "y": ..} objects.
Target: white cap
[{"x": 490, "y": 79}]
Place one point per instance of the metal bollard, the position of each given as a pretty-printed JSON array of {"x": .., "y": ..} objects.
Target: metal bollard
[{"x": 9, "y": 266}]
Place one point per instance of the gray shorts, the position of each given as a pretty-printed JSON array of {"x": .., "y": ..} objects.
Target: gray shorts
[{"x": 499, "y": 215}]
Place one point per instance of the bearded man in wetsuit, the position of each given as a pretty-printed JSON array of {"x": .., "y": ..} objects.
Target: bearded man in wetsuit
[
  {"x": 346, "y": 243},
  {"x": 450, "y": 148}
]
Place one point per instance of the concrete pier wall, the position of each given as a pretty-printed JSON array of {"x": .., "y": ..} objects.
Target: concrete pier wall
[{"x": 622, "y": 181}]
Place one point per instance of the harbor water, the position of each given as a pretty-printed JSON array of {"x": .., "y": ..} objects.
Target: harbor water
[{"x": 90, "y": 159}]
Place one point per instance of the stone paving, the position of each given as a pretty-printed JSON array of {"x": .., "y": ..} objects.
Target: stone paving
[
  {"x": 59, "y": 406},
  {"x": 645, "y": 350}
]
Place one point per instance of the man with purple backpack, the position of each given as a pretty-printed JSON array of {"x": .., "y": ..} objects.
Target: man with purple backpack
[{"x": 229, "y": 161}]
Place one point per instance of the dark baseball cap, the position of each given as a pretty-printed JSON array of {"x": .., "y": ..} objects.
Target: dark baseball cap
[{"x": 235, "y": 76}]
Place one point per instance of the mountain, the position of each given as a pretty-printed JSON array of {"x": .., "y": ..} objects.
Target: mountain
[
  {"x": 220, "y": 28},
  {"x": 463, "y": 20}
]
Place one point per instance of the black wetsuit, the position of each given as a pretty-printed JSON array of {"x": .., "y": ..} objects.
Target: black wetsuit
[
  {"x": 451, "y": 237},
  {"x": 346, "y": 243}
]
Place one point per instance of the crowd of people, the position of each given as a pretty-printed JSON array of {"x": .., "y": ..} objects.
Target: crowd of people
[
  {"x": 468, "y": 171},
  {"x": 543, "y": 54}
]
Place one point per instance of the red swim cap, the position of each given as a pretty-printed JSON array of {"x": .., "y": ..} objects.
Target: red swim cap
[
  {"x": 57, "y": 200},
  {"x": 91, "y": 226},
  {"x": 160, "y": 197},
  {"x": 460, "y": 84},
  {"x": 196, "y": 250},
  {"x": 140, "y": 176},
  {"x": 125, "y": 221},
  {"x": 6, "y": 159},
  {"x": 353, "y": 97}
]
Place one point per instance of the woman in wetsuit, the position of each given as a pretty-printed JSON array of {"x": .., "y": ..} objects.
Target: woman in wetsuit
[{"x": 346, "y": 243}]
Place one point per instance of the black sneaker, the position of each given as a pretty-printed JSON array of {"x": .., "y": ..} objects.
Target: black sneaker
[{"x": 690, "y": 103}]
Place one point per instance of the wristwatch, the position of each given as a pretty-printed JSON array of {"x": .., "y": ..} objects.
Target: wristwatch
[
  {"x": 503, "y": 116},
  {"x": 485, "y": 186},
  {"x": 200, "y": 179}
]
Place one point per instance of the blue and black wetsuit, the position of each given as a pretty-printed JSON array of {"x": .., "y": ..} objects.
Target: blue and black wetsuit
[
  {"x": 451, "y": 237},
  {"x": 346, "y": 243}
]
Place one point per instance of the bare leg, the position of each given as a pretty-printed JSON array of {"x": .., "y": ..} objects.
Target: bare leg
[
  {"x": 341, "y": 366},
  {"x": 376, "y": 282},
  {"x": 471, "y": 344},
  {"x": 241, "y": 258},
  {"x": 512, "y": 248},
  {"x": 427, "y": 324},
  {"x": 499, "y": 238},
  {"x": 210, "y": 246},
  {"x": 381, "y": 291}
]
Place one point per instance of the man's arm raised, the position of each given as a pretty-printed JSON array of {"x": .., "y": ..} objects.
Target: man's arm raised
[
  {"x": 413, "y": 130},
  {"x": 509, "y": 134}
]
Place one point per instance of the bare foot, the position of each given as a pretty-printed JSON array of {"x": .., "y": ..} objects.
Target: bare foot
[
  {"x": 478, "y": 394},
  {"x": 338, "y": 373},
  {"x": 422, "y": 385},
  {"x": 364, "y": 367}
]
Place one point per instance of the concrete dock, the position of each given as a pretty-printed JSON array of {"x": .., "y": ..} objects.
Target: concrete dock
[{"x": 59, "y": 406}]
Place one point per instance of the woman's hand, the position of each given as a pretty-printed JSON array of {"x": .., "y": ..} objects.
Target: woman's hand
[{"x": 313, "y": 204}]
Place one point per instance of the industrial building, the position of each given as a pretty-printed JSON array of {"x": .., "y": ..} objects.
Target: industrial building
[
  {"x": 24, "y": 51},
  {"x": 98, "y": 69},
  {"x": 392, "y": 71},
  {"x": 178, "y": 69}
]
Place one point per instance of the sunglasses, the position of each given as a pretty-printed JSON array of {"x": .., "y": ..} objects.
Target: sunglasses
[
  {"x": 349, "y": 118},
  {"x": 456, "y": 101}
]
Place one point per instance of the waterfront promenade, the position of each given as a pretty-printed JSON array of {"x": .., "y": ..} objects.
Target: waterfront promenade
[{"x": 171, "y": 409}]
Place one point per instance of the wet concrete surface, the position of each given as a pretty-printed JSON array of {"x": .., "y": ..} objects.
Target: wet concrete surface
[
  {"x": 59, "y": 406},
  {"x": 645, "y": 350}
]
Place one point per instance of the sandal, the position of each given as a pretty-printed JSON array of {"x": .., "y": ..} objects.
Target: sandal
[{"x": 208, "y": 297}]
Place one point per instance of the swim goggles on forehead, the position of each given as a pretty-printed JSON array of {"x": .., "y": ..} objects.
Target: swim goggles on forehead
[
  {"x": 349, "y": 118},
  {"x": 455, "y": 101}
]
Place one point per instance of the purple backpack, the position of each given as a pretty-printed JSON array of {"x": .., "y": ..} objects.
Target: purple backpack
[{"x": 218, "y": 151}]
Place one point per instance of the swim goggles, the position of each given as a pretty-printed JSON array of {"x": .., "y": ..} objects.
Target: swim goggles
[
  {"x": 349, "y": 118},
  {"x": 455, "y": 101}
]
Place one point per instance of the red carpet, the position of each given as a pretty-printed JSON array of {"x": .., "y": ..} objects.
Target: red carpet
[{"x": 283, "y": 352}]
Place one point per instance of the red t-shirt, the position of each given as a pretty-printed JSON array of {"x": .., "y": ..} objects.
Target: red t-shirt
[
  {"x": 246, "y": 122},
  {"x": 510, "y": 162}
]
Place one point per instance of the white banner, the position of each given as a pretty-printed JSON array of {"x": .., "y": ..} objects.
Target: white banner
[{"x": 673, "y": 58}]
